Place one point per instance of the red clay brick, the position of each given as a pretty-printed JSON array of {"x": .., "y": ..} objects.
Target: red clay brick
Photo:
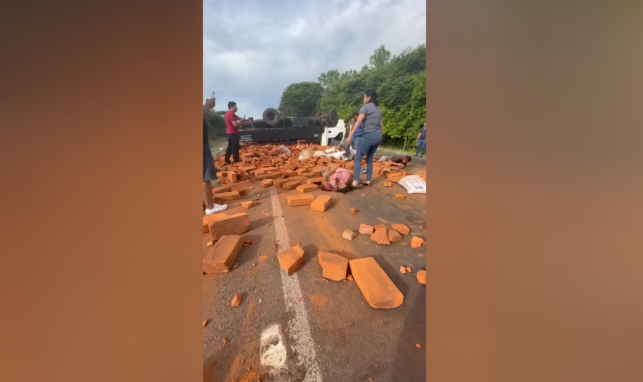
[
  {"x": 226, "y": 196},
  {"x": 349, "y": 234},
  {"x": 377, "y": 288},
  {"x": 247, "y": 204},
  {"x": 235, "y": 224},
  {"x": 394, "y": 236},
  {"x": 299, "y": 200},
  {"x": 273, "y": 175},
  {"x": 316, "y": 180},
  {"x": 400, "y": 197},
  {"x": 401, "y": 228},
  {"x": 334, "y": 267},
  {"x": 366, "y": 229},
  {"x": 291, "y": 185},
  {"x": 416, "y": 242},
  {"x": 421, "y": 276},
  {"x": 221, "y": 257},
  {"x": 266, "y": 183},
  {"x": 307, "y": 188},
  {"x": 395, "y": 176},
  {"x": 321, "y": 203},
  {"x": 387, "y": 184},
  {"x": 279, "y": 183},
  {"x": 291, "y": 259},
  {"x": 380, "y": 226},
  {"x": 232, "y": 177},
  {"x": 221, "y": 189},
  {"x": 209, "y": 218}
]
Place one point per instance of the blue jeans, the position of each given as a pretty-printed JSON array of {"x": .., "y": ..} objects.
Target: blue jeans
[
  {"x": 421, "y": 145},
  {"x": 366, "y": 147}
]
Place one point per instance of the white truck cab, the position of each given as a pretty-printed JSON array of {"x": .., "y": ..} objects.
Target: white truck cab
[{"x": 332, "y": 136}]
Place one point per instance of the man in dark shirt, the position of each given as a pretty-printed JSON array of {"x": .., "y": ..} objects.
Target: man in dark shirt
[
  {"x": 232, "y": 123},
  {"x": 209, "y": 171},
  {"x": 421, "y": 142},
  {"x": 396, "y": 161}
]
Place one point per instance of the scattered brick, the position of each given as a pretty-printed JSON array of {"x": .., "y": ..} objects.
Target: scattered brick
[
  {"x": 291, "y": 185},
  {"x": 395, "y": 176},
  {"x": 409, "y": 270},
  {"x": 235, "y": 224},
  {"x": 380, "y": 236},
  {"x": 274, "y": 175},
  {"x": 421, "y": 276},
  {"x": 334, "y": 267},
  {"x": 353, "y": 211},
  {"x": 380, "y": 226},
  {"x": 223, "y": 254},
  {"x": 388, "y": 184},
  {"x": 321, "y": 203},
  {"x": 300, "y": 200},
  {"x": 210, "y": 244},
  {"x": 418, "y": 346},
  {"x": 316, "y": 180},
  {"x": 401, "y": 228},
  {"x": 394, "y": 236},
  {"x": 226, "y": 196},
  {"x": 307, "y": 188},
  {"x": 366, "y": 229},
  {"x": 377, "y": 288},
  {"x": 402, "y": 269},
  {"x": 247, "y": 204},
  {"x": 400, "y": 197},
  {"x": 279, "y": 183},
  {"x": 221, "y": 189},
  {"x": 416, "y": 242},
  {"x": 266, "y": 183},
  {"x": 207, "y": 219},
  {"x": 236, "y": 300},
  {"x": 349, "y": 234},
  {"x": 291, "y": 259},
  {"x": 232, "y": 177}
]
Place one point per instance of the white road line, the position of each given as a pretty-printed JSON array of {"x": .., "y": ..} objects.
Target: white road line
[{"x": 299, "y": 327}]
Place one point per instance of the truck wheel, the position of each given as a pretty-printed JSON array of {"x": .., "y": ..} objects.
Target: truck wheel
[
  {"x": 332, "y": 118},
  {"x": 271, "y": 117}
]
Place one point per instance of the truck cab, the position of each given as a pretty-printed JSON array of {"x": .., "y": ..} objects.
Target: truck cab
[{"x": 332, "y": 136}]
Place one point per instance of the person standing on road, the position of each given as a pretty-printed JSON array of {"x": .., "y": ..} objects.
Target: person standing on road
[
  {"x": 232, "y": 130},
  {"x": 421, "y": 142},
  {"x": 371, "y": 116},
  {"x": 209, "y": 171}
]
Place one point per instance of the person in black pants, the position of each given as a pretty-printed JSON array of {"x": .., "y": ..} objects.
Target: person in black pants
[{"x": 232, "y": 130}]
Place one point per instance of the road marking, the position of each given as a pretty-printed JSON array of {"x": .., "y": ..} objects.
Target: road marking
[
  {"x": 298, "y": 326},
  {"x": 273, "y": 350}
]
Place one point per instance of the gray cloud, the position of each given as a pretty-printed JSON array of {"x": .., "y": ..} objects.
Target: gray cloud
[{"x": 254, "y": 49}]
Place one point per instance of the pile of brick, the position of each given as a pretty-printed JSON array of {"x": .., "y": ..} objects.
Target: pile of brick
[{"x": 385, "y": 235}]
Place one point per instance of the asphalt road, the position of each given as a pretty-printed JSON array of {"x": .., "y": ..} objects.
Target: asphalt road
[{"x": 316, "y": 330}]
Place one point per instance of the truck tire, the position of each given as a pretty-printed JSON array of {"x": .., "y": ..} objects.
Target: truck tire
[
  {"x": 271, "y": 117},
  {"x": 332, "y": 118}
]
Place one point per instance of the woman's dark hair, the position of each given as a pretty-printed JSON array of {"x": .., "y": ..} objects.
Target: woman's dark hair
[
  {"x": 373, "y": 95},
  {"x": 355, "y": 114},
  {"x": 347, "y": 188}
]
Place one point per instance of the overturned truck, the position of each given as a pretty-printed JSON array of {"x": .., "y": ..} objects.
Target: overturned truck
[{"x": 325, "y": 129}]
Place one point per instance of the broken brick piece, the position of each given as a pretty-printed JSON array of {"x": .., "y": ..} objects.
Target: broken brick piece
[
  {"x": 307, "y": 188},
  {"x": 316, "y": 180},
  {"x": 387, "y": 184},
  {"x": 401, "y": 228},
  {"x": 377, "y": 288},
  {"x": 291, "y": 185},
  {"x": 226, "y": 196},
  {"x": 395, "y": 176},
  {"x": 220, "y": 189},
  {"x": 299, "y": 200},
  {"x": 232, "y": 177},
  {"x": 400, "y": 197},
  {"x": 266, "y": 183},
  {"x": 353, "y": 211},
  {"x": 416, "y": 242},
  {"x": 380, "y": 236},
  {"x": 366, "y": 229},
  {"x": 421, "y": 276},
  {"x": 236, "y": 300},
  {"x": 210, "y": 244},
  {"x": 409, "y": 270},
  {"x": 380, "y": 226},
  {"x": 222, "y": 256},
  {"x": 321, "y": 203},
  {"x": 291, "y": 259},
  {"x": 349, "y": 234},
  {"x": 235, "y": 224},
  {"x": 247, "y": 204},
  {"x": 394, "y": 236},
  {"x": 334, "y": 267},
  {"x": 402, "y": 269}
]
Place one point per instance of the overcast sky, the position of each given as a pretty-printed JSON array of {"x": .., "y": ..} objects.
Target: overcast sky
[{"x": 254, "y": 49}]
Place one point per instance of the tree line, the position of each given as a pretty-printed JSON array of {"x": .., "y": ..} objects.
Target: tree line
[{"x": 400, "y": 81}]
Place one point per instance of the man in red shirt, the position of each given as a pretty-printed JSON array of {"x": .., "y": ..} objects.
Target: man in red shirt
[{"x": 232, "y": 130}]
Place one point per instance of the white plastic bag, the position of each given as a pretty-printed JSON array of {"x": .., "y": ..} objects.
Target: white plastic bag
[
  {"x": 305, "y": 154},
  {"x": 320, "y": 154},
  {"x": 337, "y": 155},
  {"x": 413, "y": 184},
  {"x": 285, "y": 150}
]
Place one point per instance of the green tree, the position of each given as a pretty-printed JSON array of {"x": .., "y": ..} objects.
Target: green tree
[
  {"x": 216, "y": 122},
  {"x": 301, "y": 99}
]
